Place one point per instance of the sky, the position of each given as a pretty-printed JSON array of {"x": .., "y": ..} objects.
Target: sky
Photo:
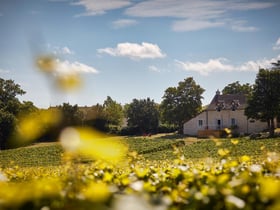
[{"x": 130, "y": 49}]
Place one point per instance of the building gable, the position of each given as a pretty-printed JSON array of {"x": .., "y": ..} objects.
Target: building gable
[{"x": 227, "y": 102}]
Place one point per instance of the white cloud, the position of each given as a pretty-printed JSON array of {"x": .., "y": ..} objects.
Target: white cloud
[
  {"x": 277, "y": 45},
  {"x": 61, "y": 50},
  {"x": 240, "y": 26},
  {"x": 134, "y": 51},
  {"x": 154, "y": 69},
  {"x": 66, "y": 67},
  {"x": 99, "y": 7},
  {"x": 66, "y": 50},
  {"x": 213, "y": 65},
  {"x": 194, "y": 25},
  {"x": 122, "y": 23},
  {"x": 221, "y": 65},
  {"x": 196, "y": 14},
  {"x": 4, "y": 71}
]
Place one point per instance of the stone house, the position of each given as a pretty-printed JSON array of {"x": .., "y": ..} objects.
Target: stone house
[{"x": 224, "y": 111}]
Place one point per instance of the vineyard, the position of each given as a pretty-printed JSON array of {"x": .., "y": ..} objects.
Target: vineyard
[{"x": 165, "y": 172}]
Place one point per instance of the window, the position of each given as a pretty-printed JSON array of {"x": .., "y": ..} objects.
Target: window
[
  {"x": 219, "y": 123},
  {"x": 233, "y": 121},
  {"x": 200, "y": 123}
]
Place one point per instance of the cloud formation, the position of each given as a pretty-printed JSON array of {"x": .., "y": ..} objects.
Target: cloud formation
[
  {"x": 191, "y": 15},
  {"x": 134, "y": 51},
  {"x": 63, "y": 51},
  {"x": 222, "y": 65},
  {"x": 154, "y": 68},
  {"x": 241, "y": 26},
  {"x": 99, "y": 7},
  {"x": 122, "y": 23},
  {"x": 66, "y": 67},
  {"x": 4, "y": 71},
  {"x": 277, "y": 45},
  {"x": 196, "y": 14}
]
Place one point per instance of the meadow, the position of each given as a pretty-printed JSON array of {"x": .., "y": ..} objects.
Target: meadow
[{"x": 158, "y": 172}]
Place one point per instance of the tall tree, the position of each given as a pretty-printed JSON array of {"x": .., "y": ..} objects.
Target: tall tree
[
  {"x": 236, "y": 87},
  {"x": 181, "y": 103},
  {"x": 9, "y": 108},
  {"x": 143, "y": 114},
  {"x": 264, "y": 104},
  {"x": 113, "y": 112},
  {"x": 71, "y": 115}
]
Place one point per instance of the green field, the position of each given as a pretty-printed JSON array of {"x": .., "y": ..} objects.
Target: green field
[
  {"x": 170, "y": 172},
  {"x": 151, "y": 148}
]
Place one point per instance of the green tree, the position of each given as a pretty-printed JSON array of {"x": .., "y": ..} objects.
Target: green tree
[
  {"x": 264, "y": 104},
  {"x": 71, "y": 115},
  {"x": 95, "y": 116},
  {"x": 143, "y": 114},
  {"x": 181, "y": 103},
  {"x": 113, "y": 112},
  {"x": 236, "y": 87},
  {"x": 9, "y": 108}
]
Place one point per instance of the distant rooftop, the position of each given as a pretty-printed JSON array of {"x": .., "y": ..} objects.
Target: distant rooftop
[{"x": 227, "y": 101}]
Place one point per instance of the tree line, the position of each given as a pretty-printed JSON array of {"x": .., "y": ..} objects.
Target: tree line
[{"x": 144, "y": 116}]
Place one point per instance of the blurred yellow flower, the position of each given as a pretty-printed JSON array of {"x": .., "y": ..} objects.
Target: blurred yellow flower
[
  {"x": 97, "y": 192},
  {"x": 223, "y": 152},
  {"x": 46, "y": 63},
  {"x": 88, "y": 142},
  {"x": 245, "y": 158},
  {"x": 33, "y": 125},
  {"x": 69, "y": 81},
  {"x": 269, "y": 188},
  {"x": 234, "y": 141}
]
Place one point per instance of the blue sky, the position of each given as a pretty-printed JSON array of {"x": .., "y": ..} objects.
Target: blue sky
[{"x": 135, "y": 49}]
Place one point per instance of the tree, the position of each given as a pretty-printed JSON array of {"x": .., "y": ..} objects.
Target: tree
[
  {"x": 95, "y": 116},
  {"x": 143, "y": 114},
  {"x": 9, "y": 108},
  {"x": 181, "y": 103},
  {"x": 264, "y": 104},
  {"x": 70, "y": 115},
  {"x": 236, "y": 87},
  {"x": 113, "y": 112}
]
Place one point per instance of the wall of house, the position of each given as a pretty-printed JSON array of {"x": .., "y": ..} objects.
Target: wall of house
[
  {"x": 226, "y": 119},
  {"x": 192, "y": 126}
]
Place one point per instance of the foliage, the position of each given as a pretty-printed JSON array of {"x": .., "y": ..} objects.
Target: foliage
[
  {"x": 95, "y": 117},
  {"x": 7, "y": 125},
  {"x": 181, "y": 103},
  {"x": 71, "y": 114},
  {"x": 113, "y": 112},
  {"x": 10, "y": 107},
  {"x": 265, "y": 100},
  {"x": 227, "y": 182},
  {"x": 143, "y": 114},
  {"x": 236, "y": 87}
]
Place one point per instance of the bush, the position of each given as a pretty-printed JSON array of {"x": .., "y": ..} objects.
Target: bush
[{"x": 166, "y": 128}]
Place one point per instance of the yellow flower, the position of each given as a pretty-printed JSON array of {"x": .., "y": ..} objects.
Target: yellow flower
[
  {"x": 245, "y": 158},
  {"x": 69, "y": 81},
  {"x": 46, "y": 63},
  {"x": 97, "y": 192},
  {"x": 269, "y": 188},
  {"x": 223, "y": 152},
  {"x": 87, "y": 142},
  {"x": 234, "y": 141},
  {"x": 33, "y": 125}
]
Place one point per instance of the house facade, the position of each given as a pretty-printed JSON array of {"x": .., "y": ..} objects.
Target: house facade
[{"x": 224, "y": 111}]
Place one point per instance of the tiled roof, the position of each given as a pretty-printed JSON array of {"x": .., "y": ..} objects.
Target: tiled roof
[{"x": 227, "y": 101}]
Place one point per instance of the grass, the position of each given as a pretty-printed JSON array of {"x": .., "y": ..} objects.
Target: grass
[
  {"x": 41, "y": 155},
  {"x": 153, "y": 148}
]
